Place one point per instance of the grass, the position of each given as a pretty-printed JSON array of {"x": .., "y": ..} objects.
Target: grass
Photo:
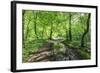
[
  {"x": 83, "y": 54},
  {"x": 82, "y": 51},
  {"x": 57, "y": 46},
  {"x": 31, "y": 47}
]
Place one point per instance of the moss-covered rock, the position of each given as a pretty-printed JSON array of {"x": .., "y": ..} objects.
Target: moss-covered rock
[{"x": 59, "y": 48}]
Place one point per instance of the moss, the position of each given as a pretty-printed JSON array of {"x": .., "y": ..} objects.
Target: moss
[
  {"x": 57, "y": 46},
  {"x": 75, "y": 43},
  {"x": 72, "y": 44}
]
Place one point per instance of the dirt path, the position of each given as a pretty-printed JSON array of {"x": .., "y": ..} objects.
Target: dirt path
[
  {"x": 46, "y": 53},
  {"x": 43, "y": 54}
]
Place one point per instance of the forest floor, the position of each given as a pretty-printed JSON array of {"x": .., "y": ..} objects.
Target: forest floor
[{"x": 51, "y": 53}]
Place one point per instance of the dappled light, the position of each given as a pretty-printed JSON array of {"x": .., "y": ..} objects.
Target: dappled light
[{"x": 55, "y": 36}]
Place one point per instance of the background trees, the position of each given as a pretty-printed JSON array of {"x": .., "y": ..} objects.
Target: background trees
[
  {"x": 86, "y": 31},
  {"x": 39, "y": 27}
]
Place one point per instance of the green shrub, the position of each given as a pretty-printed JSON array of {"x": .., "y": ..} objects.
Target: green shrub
[
  {"x": 57, "y": 46},
  {"x": 83, "y": 54}
]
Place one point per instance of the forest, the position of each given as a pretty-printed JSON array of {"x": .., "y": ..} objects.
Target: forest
[{"x": 55, "y": 36}]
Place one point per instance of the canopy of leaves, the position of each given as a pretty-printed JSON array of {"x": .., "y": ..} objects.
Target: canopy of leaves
[{"x": 39, "y": 26}]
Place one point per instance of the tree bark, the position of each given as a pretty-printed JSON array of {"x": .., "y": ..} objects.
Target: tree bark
[
  {"x": 70, "y": 33},
  {"x": 35, "y": 26},
  {"x": 51, "y": 31},
  {"x": 27, "y": 29},
  {"x": 67, "y": 35},
  {"x": 85, "y": 32},
  {"x": 23, "y": 20}
]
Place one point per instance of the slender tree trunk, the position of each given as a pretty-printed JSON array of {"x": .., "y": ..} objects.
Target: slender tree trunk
[
  {"x": 35, "y": 26},
  {"x": 27, "y": 29},
  {"x": 23, "y": 20},
  {"x": 66, "y": 30},
  {"x": 85, "y": 32},
  {"x": 51, "y": 31},
  {"x": 23, "y": 13},
  {"x": 43, "y": 31},
  {"x": 70, "y": 33},
  {"x": 67, "y": 35}
]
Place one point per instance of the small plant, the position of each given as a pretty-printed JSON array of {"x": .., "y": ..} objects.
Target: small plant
[
  {"x": 57, "y": 46},
  {"x": 83, "y": 54}
]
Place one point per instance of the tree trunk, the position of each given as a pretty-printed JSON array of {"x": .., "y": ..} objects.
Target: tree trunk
[
  {"x": 27, "y": 29},
  {"x": 35, "y": 26},
  {"x": 51, "y": 31},
  {"x": 67, "y": 35},
  {"x": 43, "y": 31},
  {"x": 26, "y": 34},
  {"x": 23, "y": 17},
  {"x": 70, "y": 33},
  {"x": 85, "y": 32},
  {"x": 23, "y": 20}
]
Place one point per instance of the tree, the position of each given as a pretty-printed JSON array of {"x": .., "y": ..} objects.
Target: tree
[
  {"x": 23, "y": 20},
  {"x": 86, "y": 31},
  {"x": 51, "y": 30},
  {"x": 52, "y": 20},
  {"x": 35, "y": 23},
  {"x": 70, "y": 24},
  {"x": 27, "y": 29}
]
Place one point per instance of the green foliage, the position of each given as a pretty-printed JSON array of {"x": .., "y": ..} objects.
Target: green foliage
[
  {"x": 75, "y": 43},
  {"x": 83, "y": 54},
  {"x": 31, "y": 47},
  {"x": 41, "y": 26},
  {"x": 57, "y": 46}
]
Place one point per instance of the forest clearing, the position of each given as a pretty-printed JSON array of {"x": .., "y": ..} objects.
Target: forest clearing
[{"x": 55, "y": 36}]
